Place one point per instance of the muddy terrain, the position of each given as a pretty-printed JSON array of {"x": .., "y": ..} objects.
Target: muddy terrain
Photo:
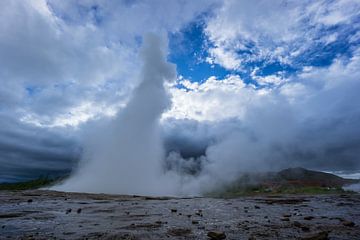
[{"x": 40, "y": 214}]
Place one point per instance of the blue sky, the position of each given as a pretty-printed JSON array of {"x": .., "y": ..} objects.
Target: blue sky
[{"x": 189, "y": 50}]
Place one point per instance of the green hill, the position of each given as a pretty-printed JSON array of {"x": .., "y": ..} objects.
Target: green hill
[{"x": 287, "y": 181}]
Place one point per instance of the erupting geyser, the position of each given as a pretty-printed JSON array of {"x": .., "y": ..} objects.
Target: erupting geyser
[{"x": 127, "y": 156}]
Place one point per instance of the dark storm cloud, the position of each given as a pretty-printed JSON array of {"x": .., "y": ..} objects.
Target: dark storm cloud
[
  {"x": 187, "y": 137},
  {"x": 224, "y": 151},
  {"x": 27, "y": 152}
]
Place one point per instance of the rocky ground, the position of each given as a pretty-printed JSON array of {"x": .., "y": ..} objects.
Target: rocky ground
[{"x": 37, "y": 214}]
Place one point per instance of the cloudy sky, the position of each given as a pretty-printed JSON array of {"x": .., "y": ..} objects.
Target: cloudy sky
[{"x": 259, "y": 84}]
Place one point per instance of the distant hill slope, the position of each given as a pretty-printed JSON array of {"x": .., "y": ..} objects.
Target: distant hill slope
[
  {"x": 31, "y": 184},
  {"x": 291, "y": 181},
  {"x": 304, "y": 177}
]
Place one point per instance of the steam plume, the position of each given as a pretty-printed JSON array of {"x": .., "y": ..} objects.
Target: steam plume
[{"x": 127, "y": 156}]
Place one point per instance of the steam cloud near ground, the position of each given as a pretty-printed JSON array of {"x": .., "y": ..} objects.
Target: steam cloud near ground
[{"x": 136, "y": 154}]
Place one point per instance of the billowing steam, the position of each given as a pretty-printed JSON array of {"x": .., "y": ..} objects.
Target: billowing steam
[
  {"x": 317, "y": 128},
  {"x": 127, "y": 155},
  {"x": 312, "y": 123}
]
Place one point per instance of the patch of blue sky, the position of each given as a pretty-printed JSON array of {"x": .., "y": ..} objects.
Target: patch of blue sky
[
  {"x": 322, "y": 54},
  {"x": 188, "y": 50},
  {"x": 273, "y": 68},
  {"x": 96, "y": 14},
  {"x": 32, "y": 90}
]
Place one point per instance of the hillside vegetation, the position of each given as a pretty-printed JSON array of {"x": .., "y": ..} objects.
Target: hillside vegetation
[{"x": 287, "y": 181}]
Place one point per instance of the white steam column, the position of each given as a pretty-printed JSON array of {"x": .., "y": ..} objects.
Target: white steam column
[{"x": 128, "y": 154}]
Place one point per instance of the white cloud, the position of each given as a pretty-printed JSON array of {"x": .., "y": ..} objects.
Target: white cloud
[
  {"x": 212, "y": 100},
  {"x": 59, "y": 56},
  {"x": 274, "y": 30},
  {"x": 220, "y": 99},
  {"x": 227, "y": 59},
  {"x": 336, "y": 12}
]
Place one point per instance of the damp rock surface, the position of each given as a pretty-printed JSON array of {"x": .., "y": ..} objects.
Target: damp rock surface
[{"x": 102, "y": 216}]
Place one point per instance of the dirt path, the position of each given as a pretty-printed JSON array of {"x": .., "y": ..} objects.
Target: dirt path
[{"x": 56, "y": 215}]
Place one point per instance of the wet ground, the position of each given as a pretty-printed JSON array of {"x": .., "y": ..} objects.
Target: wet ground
[{"x": 56, "y": 215}]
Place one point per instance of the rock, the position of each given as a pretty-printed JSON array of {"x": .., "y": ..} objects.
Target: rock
[
  {"x": 285, "y": 201},
  {"x": 348, "y": 223},
  {"x": 173, "y": 210},
  {"x": 216, "y": 235},
  {"x": 302, "y": 226},
  {"x": 256, "y": 207},
  {"x": 30, "y": 201},
  {"x": 79, "y": 210},
  {"x": 68, "y": 211},
  {"x": 194, "y": 222},
  {"x": 308, "y": 218},
  {"x": 199, "y": 213},
  {"x": 179, "y": 231},
  {"x": 287, "y": 215},
  {"x": 285, "y": 219},
  {"x": 318, "y": 236},
  {"x": 344, "y": 204},
  {"x": 297, "y": 224},
  {"x": 305, "y": 228},
  {"x": 11, "y": 215}
]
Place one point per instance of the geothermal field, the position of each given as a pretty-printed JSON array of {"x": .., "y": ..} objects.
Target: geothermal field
[
  {"x": 58, "y": 215},
  {"x": 313, "y": 212}
]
